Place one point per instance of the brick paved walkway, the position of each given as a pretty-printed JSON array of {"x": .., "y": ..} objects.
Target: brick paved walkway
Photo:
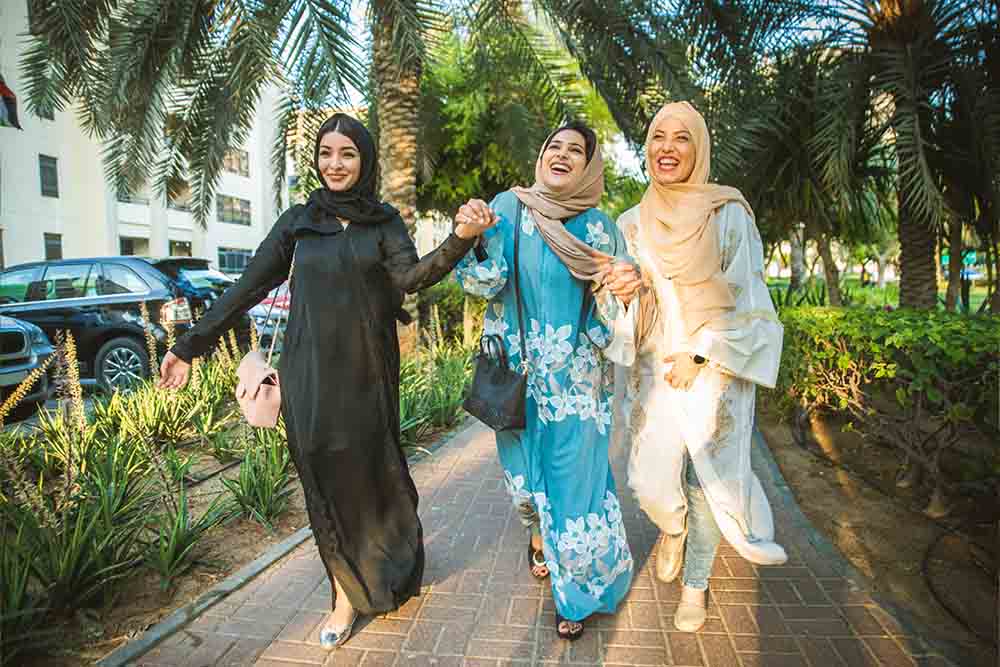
[{"x": 481, "y": 607}]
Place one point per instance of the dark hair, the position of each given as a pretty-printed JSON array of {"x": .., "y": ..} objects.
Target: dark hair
[{"x": 589, "y": 136}]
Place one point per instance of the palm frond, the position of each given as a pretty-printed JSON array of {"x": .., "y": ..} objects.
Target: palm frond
[
  {"x": 319, "y": 50},
  {"x": 413, "y": 25}
]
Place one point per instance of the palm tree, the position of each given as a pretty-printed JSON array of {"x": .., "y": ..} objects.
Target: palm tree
[
  {"x": 782, "y": 173},
  {"x": 170, "y": 85},
  {"x": 912, "y": 51}
]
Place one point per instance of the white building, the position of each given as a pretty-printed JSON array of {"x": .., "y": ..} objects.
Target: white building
[{"x": 55, "y": 201}]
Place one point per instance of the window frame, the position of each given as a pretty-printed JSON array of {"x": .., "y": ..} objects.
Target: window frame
[
  {"x": 103, "y": 270},
  {"x": 52, "y": 236},
  {"x": 230, "y": 252},
  {"x": 93, "y": 272},
  {"x": 43, "y": 166},
  {"x": 227, "y": 207}
]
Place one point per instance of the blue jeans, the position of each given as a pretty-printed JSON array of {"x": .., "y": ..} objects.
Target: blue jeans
[{"x": 703, "y": 533}]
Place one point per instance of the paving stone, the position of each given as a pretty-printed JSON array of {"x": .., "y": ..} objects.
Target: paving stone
[
  {"x": 718, "y": 650},
  {"x": 684, "y": 648},
  {"x": 243, "y": 652},
  {"x": 480, "y": 607}
]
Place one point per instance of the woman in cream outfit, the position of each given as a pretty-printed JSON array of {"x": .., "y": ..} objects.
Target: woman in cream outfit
[{"x": 706, "y": 334}]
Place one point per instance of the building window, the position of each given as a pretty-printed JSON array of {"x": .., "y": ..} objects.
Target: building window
[
  {"x": 237, "y": 161},
  {"x": 234, "y": 260},
  {"x": 49, "y": 175},
  {"x": 233, "y": 210},
  {"x": 130, "y": 198},
  {"x": 180, "y": 248},
  {"x": 133, "y": 246},
  {"x": 53, "y": 246}
]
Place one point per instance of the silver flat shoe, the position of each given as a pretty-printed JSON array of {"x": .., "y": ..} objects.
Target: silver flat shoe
[
  {"x": 670, "y": 556},
  {"x": 330, "y": 638}
]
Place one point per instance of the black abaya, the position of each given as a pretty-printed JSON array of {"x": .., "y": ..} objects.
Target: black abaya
[{"x": 340, "y": 388}]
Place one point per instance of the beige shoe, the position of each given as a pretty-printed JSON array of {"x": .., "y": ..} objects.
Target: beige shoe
[
  {"x": 691, "y": 612},
  {"x": 670, "y": 556}
]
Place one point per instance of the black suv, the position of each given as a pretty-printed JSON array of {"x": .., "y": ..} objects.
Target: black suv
[{"x": 99, "y": 300}]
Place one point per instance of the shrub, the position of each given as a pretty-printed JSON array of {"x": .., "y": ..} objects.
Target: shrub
[
  {"x": 919, "y": 380},
  {"x": 449, "y": 299},
  {"x": 21, "y": 608},
  {"x": 262, "y": 488},
  {"x": 177, "y": 533}
]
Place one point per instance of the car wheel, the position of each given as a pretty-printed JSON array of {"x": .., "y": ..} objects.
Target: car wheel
[{"x": 121, "y": 363}]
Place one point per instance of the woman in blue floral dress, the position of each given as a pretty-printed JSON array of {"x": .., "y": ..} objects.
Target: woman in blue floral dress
[{"x": 572, "y": 291}]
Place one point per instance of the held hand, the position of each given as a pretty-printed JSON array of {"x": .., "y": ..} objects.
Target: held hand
[
  {"x": 624, "y": 280},
  {"x": 684, "y": 371},
  {"x": 173, "y": 372},
  {"x": 473, "y": 218}
]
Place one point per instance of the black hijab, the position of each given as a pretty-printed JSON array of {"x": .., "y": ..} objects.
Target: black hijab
[{"x": 358, "y": 204}]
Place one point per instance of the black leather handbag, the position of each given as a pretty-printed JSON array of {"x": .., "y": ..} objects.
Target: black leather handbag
[{"x": 497, "y": 394}]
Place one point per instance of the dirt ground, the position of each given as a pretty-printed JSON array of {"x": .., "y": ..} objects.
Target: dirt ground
[{"x": 882, "y": 532}]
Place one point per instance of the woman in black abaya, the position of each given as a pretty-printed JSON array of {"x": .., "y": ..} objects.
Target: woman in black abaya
[{"x": 340, "y": 368}]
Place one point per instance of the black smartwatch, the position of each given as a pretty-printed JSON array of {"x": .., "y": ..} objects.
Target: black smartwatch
[{"x": 699, "y": 360}]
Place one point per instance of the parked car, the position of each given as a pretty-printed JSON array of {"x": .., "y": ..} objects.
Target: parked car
[
  {"x": 266, "y": 319},
  {"x": 99, "y": 301},
  {"x": 23, "y": 348},
  {"x": 195, "y": 277}
]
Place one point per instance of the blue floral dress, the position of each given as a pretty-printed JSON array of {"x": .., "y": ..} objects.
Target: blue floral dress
[{"x": 557, "y": 468}]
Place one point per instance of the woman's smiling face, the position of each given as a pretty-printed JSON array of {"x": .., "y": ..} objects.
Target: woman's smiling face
[
  {"x": 671, "y": 153},
  {"x": 564, "y": 159},
  {"x": 339, "y": 161}
]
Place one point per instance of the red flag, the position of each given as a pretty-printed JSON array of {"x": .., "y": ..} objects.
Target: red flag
[{"x": 8, "y": 110}]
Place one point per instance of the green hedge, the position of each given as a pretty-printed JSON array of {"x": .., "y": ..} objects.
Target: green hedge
[{"x": 919, "y": 380}]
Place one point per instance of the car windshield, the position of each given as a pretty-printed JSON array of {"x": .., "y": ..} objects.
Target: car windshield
[{"x": 206, "y": 277}]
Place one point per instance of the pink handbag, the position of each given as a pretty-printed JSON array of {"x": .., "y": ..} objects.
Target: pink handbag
[{"x": 258, "y": 389}]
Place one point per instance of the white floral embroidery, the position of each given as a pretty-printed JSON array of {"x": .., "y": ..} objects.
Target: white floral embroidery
[
  {"x": 590, "y": 553},
  {"x": 564, "y": 380},
  {"x": 527, "y": 222},
  {"x": 596, "y": 236},
  {"x": 493, "y": 322},
  {"x": 515, "y": 487}
]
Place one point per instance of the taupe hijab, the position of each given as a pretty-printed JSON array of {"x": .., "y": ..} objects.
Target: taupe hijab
[
  {"x": 676, "y": 223},
  {"x": 550, "y": 209}
]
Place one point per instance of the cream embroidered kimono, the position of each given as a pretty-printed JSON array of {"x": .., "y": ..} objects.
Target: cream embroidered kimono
[{"x": 715, "y": 418}]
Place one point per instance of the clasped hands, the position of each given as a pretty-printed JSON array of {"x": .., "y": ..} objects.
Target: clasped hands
[{"x": 474, "y": 217}]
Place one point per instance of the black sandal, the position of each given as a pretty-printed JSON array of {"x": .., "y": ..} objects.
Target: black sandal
[
  {"x": 568, "y": 635},
  {"x": 536, "y": 559}
]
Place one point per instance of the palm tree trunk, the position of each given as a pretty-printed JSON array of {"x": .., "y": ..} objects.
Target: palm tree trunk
[
  {"x": 830, "y": 270},
  {"x": 955, "y": 251},
  {"x": 397, "y": 109},
  {"x": 797, "y": 258},
  {"x": 397, "y": 103}
]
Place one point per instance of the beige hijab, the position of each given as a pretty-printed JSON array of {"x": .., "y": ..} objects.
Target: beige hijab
[
  {"x": 550, "y": 209},
  {"x": 675, "y": 222}
]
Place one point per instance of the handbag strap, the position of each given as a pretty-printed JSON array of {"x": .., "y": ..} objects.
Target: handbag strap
[
  {"x": 517, "y": 288},
  {"x": 274, "y": 336}
]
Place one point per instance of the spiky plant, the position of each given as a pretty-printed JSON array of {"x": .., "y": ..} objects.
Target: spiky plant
[{"x": 150, "y": 336}]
